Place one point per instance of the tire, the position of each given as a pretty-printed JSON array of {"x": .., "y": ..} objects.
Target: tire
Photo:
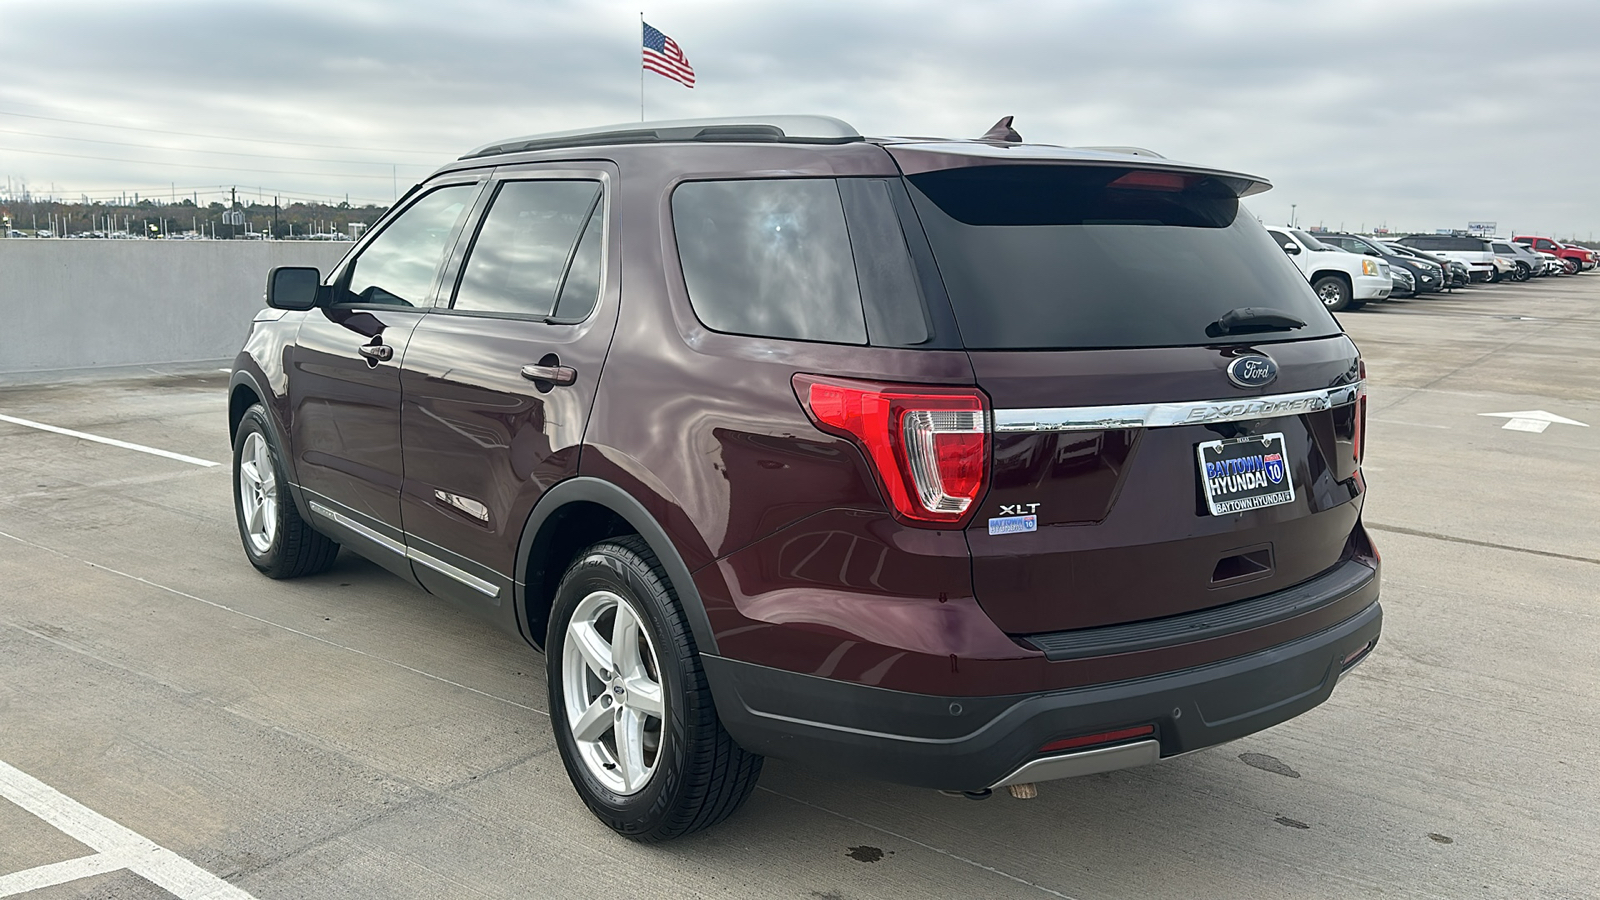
[
  {"x": 277, "y": 541},
  {"x": 1524, "y": 272},
  {"x": 648, "y": 689},
  {"x": 1333, "y": 291}
]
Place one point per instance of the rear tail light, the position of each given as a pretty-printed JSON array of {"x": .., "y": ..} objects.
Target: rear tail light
[
  {"x": 1358, "y": 444},
  {"x": 929, "y": 446}
]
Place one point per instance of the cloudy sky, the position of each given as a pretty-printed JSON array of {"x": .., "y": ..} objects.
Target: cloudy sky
[{"x": 1415, "y": 114}]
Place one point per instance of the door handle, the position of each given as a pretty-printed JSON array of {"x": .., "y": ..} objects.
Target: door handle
[
  {"x": 376, "y": 352},
  {"x": 551, "y": 374}
]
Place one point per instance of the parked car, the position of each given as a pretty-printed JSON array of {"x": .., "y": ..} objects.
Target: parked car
[
  {"x": 892, "y": 456},
  {"x": 1583, "y": 256},
  {"x": 1472, "y": 251},
  {"x": 1456, "y": 273},
  {"x": 1503, "y": 268},
  {"x": 1553, "y": 265},
  {"x": 1404, "y": 284},
  {"x": 1428, "y": 275},
  {"x": 1341, "y": 279},
  {"x": 1526, "y": 261}
]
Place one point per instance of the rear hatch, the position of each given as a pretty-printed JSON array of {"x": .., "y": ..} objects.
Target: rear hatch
[{"x": 1103, "y": 308}]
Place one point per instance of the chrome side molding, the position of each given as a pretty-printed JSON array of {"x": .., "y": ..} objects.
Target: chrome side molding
[
  {"x": 444, "y": 568},
  {"x": 383, "y": 541},
  {"x": 1166, "y": 415},
  {"x": 411, "y": 553}
]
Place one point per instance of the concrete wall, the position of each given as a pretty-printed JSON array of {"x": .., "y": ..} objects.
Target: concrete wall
[{"x": 72, "y": 304}]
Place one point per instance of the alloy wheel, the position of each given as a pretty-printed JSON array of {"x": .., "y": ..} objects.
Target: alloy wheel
[
  {"x": 258, "y": 493},
  {"x": 611, "y": 686}
]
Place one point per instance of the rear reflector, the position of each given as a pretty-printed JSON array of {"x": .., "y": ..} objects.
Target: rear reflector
[
  {"x": 1356, "y": 655},
  {"x": 929, "y": 446},
  {"x": 1090, "y": 740}
]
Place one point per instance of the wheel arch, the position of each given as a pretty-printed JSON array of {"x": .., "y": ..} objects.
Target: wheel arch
[
  {"x": 1320, "y": 274},
  {"x": 573, "y": 515},
  {"x": 244, "y": 391}
]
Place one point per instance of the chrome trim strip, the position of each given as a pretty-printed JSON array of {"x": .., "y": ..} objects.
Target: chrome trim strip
[
  {"x": 387, "y": 543},
  {"x": 411, "y": 553},
  {"x": 444, "y": 568},
  {"x": 1088, "y": 762},
  {"x": 1166, "y": 415}
]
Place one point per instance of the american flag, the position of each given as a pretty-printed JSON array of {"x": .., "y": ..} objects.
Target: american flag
[{"x": 661, "y": 55}]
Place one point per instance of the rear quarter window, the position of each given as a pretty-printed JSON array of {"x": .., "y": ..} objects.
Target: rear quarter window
[
  {"x": 769, "y": 258},
  {"x": 815, "y": 259}
]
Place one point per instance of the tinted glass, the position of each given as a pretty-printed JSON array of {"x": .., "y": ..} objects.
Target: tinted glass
[
  {"x": 1311, "y": 242},
  {"x": 1055, "y": 257},
  {"x": 1423, "y": 242},
  {"x": 522, "y": 250},
  {"x": 896, "y": 314},
  {"x": 582, "y": 286},
  {"x": 399, "y": 266},
  {"x": 1504, "y": 248},
  {"x": 769, "y": 258}
]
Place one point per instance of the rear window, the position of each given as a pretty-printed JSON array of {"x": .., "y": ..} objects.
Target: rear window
[{"x": 1070, "y": 257}]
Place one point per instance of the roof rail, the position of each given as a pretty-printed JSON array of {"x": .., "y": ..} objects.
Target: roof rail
[
  {"x": 765, "y": 129},
  {"x": 1131, "y": 151}
]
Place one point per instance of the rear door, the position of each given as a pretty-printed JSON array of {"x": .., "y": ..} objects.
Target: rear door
[
  {"x": 498, "y": 381},
  {"x": 1091, "y": 304}
]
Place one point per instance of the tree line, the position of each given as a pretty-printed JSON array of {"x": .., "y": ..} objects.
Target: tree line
[{"x": 148, "y": 218}]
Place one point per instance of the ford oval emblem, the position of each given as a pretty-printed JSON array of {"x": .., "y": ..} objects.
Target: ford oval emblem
[{"x": 1253, "y": 371}]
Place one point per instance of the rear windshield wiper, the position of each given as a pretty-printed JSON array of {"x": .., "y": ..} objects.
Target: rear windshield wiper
[{"x": 1249, "y": 319}]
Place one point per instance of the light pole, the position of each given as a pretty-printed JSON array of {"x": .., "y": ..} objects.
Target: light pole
[{"x": 1291, "y": 215}]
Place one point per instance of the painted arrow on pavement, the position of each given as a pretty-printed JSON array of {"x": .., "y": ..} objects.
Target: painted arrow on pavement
[{"x": 1534, "y": 420}]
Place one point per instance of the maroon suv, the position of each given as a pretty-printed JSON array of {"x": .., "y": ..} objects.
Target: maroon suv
[{"x": 959, "y": 464}]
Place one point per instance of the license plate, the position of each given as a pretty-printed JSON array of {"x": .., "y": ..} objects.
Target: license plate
[{"x": 1245, "y": 473}]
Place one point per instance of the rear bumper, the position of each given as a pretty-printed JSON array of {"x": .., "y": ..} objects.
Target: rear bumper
[{"x": 971, "y": 743}]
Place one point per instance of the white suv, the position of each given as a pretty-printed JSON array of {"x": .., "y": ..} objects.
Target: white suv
[{"x": 1342, "y": 280}]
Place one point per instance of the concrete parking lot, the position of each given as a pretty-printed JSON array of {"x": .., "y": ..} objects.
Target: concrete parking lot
[{"x": 179, "y": 720}]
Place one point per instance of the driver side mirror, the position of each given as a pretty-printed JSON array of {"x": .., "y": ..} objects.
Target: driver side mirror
[
  {"x": 1291, "y": 249},
  {"x": 293, "y": 287}
]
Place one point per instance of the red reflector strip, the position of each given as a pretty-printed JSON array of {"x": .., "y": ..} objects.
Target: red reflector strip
[
  {"x": 1102, "y": 738},
  {"x": 1357, "y": 654}
]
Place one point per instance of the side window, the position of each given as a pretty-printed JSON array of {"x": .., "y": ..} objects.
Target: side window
[
  {"x": 769, "y": 258},
  {"x": 582, "y": 287},
  {"x": 533, "y": 233},
  {"x": 1544, "y": 244},
  {"x": 399, "y": 266}
]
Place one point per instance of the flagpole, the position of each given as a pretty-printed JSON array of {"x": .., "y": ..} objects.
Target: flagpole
[{"x": 641, "y": 70}]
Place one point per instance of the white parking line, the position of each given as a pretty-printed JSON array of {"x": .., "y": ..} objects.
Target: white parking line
[
  {"x": 111, "y": 441},
  {"x": 116, "y": 847}
]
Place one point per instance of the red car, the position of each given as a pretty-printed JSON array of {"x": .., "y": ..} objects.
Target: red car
[{"x": 1584, "y": 257}]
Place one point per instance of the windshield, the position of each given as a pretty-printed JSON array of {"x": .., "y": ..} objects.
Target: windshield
[
  {"x": 1068, "y": 257},
  {"x": 1311, "y": 242}
]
